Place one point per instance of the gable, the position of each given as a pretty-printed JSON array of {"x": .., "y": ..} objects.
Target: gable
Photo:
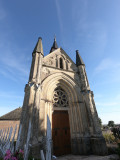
[{"x": 59, "y": 59}]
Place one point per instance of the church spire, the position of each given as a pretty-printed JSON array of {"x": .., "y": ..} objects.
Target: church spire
[
  {"x": 37, "y": 56},
  {"x": 54, "y": 46},
  {"x": 39, "y": 47},
  {"x": 79, "y": 60}
]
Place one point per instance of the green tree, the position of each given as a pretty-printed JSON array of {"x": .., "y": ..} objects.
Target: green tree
[
  {"x": 100, "y": 121},
  {"x": 111, "y": 124}
]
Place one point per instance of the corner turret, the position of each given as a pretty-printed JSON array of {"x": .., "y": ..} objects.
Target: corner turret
[
  {"x": 37, "y": 56},
  {"x": 39, "y": 48},
  {"x": 79, "y": 60},
  {"x": 82, "y": 72}
]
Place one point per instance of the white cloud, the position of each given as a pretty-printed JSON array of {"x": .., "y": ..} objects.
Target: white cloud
[
  {"x": 12, "y": 66},
  {"x": 105, "y": 104},
  {"x": 107, "y": 64},
  {"x": 104, "y": 101},
  {"x": 12, "y": 61},
  {"x": 59, "y": 15},
  {"x": 79, "y": 13},
  {"x": 10, "y": 95},
  {"x": 118, "y": 97},
  {"x": 104, "y": 64},
  {"x": 108, "y": 71},
  {"x": 7, "y": 75},
  {"x": 97, "y": 95},
  {"x": 93, "y": 32}
]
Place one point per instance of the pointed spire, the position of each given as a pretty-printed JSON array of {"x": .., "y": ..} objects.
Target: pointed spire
[
  {"x": 39, "y": 48},
  {"x": 54, "y": 46},
  {"x": 54, "y": 37},
  {"x": 79, "y": 60}
]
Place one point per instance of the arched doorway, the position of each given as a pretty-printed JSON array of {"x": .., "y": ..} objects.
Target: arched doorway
[{"x": 60, "y": 123}]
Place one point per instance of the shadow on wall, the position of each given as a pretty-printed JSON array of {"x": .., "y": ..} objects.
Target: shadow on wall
[{"x": 37, "y": 132}]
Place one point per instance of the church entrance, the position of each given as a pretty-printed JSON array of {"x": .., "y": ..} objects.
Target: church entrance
[{"x": 61, "y": 133}]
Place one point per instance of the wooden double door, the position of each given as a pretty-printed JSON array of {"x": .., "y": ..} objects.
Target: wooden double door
[{"x": 61, "y": 133}]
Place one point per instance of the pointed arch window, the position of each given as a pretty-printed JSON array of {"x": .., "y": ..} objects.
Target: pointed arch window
[
  {"x": 66, "y": 65},
  {"x": 61, "y": 63}
]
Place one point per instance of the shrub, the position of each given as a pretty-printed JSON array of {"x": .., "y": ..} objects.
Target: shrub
[
  {"x": 119, "y": 149},
  {"x": 109, "y": 137},
  {"x": 18, "y": 155},
  {"x": 116, "y": 132}
]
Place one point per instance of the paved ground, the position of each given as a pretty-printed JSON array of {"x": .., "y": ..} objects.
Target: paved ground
[{"x": 90, "y": 157}]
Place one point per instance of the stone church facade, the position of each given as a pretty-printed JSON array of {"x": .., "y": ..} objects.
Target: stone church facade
[{"x": 59, "y": 88}]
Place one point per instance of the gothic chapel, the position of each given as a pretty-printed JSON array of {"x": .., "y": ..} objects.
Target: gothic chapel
[{"x": 59, "y": 88}]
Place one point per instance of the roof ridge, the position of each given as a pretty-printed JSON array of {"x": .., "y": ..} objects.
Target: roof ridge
[{"x": 12, "y": 115}]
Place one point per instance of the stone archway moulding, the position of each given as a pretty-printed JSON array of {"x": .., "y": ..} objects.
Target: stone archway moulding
[
  {"x": 63, "y": 80},
  {"x": 70, "y": 87}
]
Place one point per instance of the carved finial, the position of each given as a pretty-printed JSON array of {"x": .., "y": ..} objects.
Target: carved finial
[{"x": 39, "y": 38}]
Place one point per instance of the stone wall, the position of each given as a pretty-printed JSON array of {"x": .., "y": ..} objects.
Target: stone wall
[{"x": 9, "y": 123}]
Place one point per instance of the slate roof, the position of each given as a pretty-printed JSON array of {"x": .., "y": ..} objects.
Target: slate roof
[{"x": 13, "y": 115}]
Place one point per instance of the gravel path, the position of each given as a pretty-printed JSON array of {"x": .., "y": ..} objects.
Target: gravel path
[{"x": 90, "y": 157}]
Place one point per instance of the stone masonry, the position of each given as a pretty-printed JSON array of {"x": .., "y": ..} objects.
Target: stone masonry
[{"x": 48, "y": 73}]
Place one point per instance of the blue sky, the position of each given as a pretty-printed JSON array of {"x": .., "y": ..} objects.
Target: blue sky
[{"x": 91, "y": 26}]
